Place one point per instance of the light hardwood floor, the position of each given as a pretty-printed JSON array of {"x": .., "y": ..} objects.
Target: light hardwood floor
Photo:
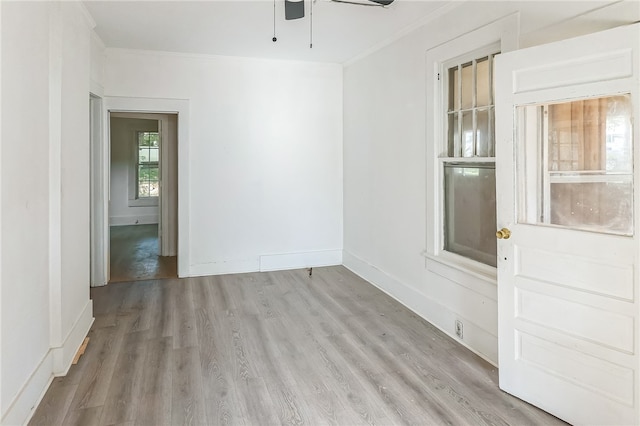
[
  {"x": 134, "y": 254},
  {"x": 272, "y": 348}
]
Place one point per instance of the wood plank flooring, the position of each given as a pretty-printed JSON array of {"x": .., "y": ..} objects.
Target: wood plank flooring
[
  {"x": 272, "y": 348},
  {"x": 134, "y": 254}
]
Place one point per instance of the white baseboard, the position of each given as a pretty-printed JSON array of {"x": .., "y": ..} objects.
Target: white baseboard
[
  {"x": 149, "y": 219},
  {"x": 63, "y": 356},
  {"x": 271, "y": 262},
  {"x": 56, "y": 362},
  {"x": 279, "y": 262},
  {"x": 24, "y": 404},
  {"x": 477, "y": 340},
  {"x": 222, "y": 267}
]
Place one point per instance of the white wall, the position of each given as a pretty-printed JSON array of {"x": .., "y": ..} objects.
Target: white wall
[
  {"x": 46, "y": 311},
  {"x": 385, "y": 137},
  {"x": 25, "y": 214},
  {"x": 97, "y": 65},
  {"x": 123, "y": 142},
  {"x": 265, "y": 155}
]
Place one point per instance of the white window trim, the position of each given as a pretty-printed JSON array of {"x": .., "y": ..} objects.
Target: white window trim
[
  {"x": 501, "y": 35},
  {"x": 134, "y": 201}
]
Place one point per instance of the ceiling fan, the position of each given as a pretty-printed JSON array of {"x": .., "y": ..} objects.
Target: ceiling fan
[{"x": 294, "y": 9}]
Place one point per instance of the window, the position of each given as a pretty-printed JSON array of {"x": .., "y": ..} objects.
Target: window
[
  {"x": 468, "y": 163},
  {"x": 579, "y": 163},
  {"x": 147, "y": 168},
  {"x": 460, "y": 148}
]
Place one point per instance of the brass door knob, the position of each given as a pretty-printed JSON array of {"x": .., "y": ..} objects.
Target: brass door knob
[{"x": 504, "y": 233}]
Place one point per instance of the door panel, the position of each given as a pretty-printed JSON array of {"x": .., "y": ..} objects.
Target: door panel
[{"x": 568, "y": 274}]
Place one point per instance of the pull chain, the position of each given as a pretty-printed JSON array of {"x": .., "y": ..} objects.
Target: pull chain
[
  {"x": 274, "y": 39},
  {"x": 311, "y": 26}
]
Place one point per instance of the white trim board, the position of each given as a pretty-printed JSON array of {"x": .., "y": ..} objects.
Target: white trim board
[
  {"x": 63, "y": 355},
  {"x": 279, "y": 262},
  {"x": 149, "y": 219},
  {"x": 27, "y": 399},
  {"x": 56, "y": 362},
  {"x": 269, "y": 262}
]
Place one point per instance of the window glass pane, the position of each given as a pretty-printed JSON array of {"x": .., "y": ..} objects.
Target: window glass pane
[
  {"x": 153, "y": 154},
  {"x": 147, "y": 181},
  {"x": 482, "y": 86},
  {"x": 143, "y": 155},
  {"x": 454, "y": 136},
  {"x": 597, "y": 206},
  {"x": 470, "y": 211},
  {"x": 576, "y": 164},
  {"x": 467, "y": 134},
  {"x": 482, "y": 133},
  {"x": 148, "y": 138},
  {"x": 148, "y": 150},
  {"x": 454, "y": 89},
  {"x": 467, "y": 86},
  {"x": 619, "y": 155},
  {"x": 143, "y": 189}
]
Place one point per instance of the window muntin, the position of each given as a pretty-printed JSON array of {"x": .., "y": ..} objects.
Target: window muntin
[
  {"x": 147, "y": 165},
  {"x": 579, "y": 156},
  {"x": 469, "y": 211}
]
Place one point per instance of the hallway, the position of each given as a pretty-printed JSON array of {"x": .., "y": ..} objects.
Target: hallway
[{"x": 134, "y": 254}]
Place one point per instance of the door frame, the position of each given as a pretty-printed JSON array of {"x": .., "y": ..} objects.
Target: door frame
[
  {"x": 99, "y": 194},
  {"x": 180, "y": 107}
]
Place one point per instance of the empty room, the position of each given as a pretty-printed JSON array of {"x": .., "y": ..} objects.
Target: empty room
[{"x": 319, "y": 212}]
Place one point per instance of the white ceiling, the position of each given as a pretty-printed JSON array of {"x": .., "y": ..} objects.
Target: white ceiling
[{"x": 245, "y": 27}]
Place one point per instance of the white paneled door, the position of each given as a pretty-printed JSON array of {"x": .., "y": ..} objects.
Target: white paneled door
[{"x": 567, "y": 161}]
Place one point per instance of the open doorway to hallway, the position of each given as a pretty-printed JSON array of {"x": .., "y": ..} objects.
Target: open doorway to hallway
[{"x": 143, "y": 196}]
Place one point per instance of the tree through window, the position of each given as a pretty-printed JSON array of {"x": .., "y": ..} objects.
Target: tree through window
[{"x": 147, "y": 168}]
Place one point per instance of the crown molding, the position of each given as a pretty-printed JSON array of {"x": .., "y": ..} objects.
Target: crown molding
[{"x": 432, "y": 16}]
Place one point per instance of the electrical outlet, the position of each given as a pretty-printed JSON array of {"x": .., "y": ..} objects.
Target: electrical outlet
[{"x": 459, "y": 329}]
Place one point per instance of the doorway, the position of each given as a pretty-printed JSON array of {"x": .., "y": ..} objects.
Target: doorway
[{"x": 143, "y": 196}]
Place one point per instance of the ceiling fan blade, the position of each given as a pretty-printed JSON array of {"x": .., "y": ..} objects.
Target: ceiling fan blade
[
  {"x": 293, "y": 9},
  {"x": 373, "y": 3}
]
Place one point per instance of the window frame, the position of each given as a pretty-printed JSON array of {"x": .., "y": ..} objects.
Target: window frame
[
  {"x": 445, "y": 159},
  {"x": 134, "y": 199},
  {"x": 499, "y": 36}
]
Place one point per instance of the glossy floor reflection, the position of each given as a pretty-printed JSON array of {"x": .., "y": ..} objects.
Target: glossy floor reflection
[{"x": 134, "y": 254}]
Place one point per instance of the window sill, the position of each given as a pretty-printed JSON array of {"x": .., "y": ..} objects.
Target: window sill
[
  {"x": 144, "y": 202},
  {"x": 455, "y": 265}
]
